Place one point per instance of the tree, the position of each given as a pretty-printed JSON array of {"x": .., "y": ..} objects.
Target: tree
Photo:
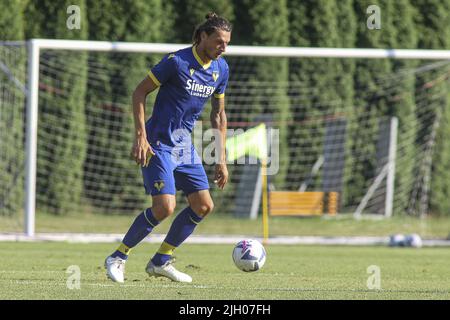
[
  {"x": 256, "y": 21},
  {"x": 315, "y": 83},
  {"x": 370, "y": 104},
  {"x": 346, "y": 26},
  {"x": 190, "y": 13},
  {"x": 111, "y": 178},
  {"x": 434, "y": 33},
  {"x": 12, "y": 110},
  {"x": 61, "y": 130},
  {"x": 402, "y": 104}
]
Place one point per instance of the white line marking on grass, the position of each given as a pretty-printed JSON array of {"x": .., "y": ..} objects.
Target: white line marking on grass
[{"x": 211, "y": 239}]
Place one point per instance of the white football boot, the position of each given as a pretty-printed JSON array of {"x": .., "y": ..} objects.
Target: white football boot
[
  {"x": 115, "y": 269},
  {"x": 167, "y": 270}
]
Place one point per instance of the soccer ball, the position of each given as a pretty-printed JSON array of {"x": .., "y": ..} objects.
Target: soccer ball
[
  {"x": 249, "y": 255},
  {"x": 414, "y": 240},
  {"x": 397, "y": 240}
]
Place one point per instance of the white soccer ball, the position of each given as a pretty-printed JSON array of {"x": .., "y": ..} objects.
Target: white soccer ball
[
  {"x": 414, "y": 240},
  {"x": 397, "y": 240},
  {"x": 249, "y": 255}
]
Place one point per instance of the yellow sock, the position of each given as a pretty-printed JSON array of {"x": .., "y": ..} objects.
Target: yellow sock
[
  {"x": 166, "y": 248},
  {"x": 124, "y": 249}
]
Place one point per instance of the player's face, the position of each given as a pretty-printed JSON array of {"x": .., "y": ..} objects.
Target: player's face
[{"x": 216, "y": 43}]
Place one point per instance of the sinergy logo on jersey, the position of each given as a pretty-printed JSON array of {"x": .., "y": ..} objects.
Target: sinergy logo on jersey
[{"x": 199, "y": 90}]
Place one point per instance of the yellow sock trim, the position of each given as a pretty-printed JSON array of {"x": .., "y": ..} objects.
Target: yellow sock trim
[
  {"x": 124, "y": 249},
  {"x": 166, "y": 249}
]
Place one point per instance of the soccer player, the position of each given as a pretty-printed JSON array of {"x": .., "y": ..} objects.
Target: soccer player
[{"x": 186, "y": 80}]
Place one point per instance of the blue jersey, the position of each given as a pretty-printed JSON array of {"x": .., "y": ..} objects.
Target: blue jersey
[{"x": 186, "y": 83}]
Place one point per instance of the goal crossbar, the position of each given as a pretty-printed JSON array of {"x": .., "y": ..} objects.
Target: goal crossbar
[{"x": 261, "y": 51}]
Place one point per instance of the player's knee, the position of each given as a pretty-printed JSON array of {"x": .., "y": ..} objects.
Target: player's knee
[
  {"x": 203, "y": 209},
  {"x": 162, "y": 211}
]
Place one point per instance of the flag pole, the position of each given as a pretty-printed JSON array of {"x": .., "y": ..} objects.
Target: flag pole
[{"x": 265, "y": 202}]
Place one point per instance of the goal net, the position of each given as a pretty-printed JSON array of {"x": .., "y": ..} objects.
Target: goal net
[{"x": 362, "y": 128}]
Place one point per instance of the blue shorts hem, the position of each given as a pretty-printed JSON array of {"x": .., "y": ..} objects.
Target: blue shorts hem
[{"x": 187, "y": 193}]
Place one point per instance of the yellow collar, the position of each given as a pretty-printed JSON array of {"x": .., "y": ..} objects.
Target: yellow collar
[{"x": 199, "y": 60}]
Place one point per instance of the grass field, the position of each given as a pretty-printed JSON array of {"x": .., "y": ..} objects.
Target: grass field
[{"x": 38, "y": 271}]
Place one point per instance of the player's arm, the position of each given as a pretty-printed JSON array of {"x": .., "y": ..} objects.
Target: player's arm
[
  {"x": 219, "y": 122},
  {"x": 141, "y": 151}
]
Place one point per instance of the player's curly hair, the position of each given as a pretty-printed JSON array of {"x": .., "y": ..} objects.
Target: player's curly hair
[{"x": 213, "y": 22}]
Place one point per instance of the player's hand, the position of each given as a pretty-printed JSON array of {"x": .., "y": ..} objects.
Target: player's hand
[
  {"x": 221, "y": 175},
  {"x": 142, "y": 152}
]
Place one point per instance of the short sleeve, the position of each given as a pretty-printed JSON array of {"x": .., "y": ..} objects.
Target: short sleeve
[
  {"x": 220, "y": 91},
  {"x": 164, "y": 70}
]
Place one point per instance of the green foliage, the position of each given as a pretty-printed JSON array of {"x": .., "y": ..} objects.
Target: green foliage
[
  {"x": 74, "y": 116},
  {"x": 190, "y": 13},
  {"x": 403, "y": 105},
  {"x": 62, "y": 135},
  {"x": 346, "y": 28},
  {"x": 314, "y": 24},
  {"x": 397, "y": 31},
  {"x": 48, "y": 19},
  {"x": 440, "y": 187},
  {"x": 12, "y": 111},
  {"x": 257, "y": 29},
  {"x": 367, "y": 105},
  {"x": 109, "y": 108},
  {"x": 11, "y": 22},
  {"x": 434, "y": 33}
]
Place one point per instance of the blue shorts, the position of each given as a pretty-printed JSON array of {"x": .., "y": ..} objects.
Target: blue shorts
[{"x": 172, "y": 169}]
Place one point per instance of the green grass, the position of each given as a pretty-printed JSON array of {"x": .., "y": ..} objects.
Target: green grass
[
  {"x": 38, "y": 271},
  {"x": 431, "y": 227}
]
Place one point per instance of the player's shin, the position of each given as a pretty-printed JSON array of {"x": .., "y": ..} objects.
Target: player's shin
[
  {"x": 182, "y": 227},
  {"x": 141, "y": 227}
]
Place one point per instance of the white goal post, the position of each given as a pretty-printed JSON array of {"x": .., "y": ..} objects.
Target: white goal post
[{"x": 36, "y": 45}]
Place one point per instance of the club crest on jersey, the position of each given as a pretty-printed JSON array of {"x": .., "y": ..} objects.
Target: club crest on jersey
[
  {"x": 215, "y": 75},
  {"x": 191, "y": 71},
  {"x": 159, "y": 185}
]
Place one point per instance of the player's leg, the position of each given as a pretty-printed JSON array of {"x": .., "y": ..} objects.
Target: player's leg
[
  {"x": 193, "y": 181},
  {"x": 162, "y": 206},
  {"x": 200, "y": 204},
  {"x": 160, "y": 183}
]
